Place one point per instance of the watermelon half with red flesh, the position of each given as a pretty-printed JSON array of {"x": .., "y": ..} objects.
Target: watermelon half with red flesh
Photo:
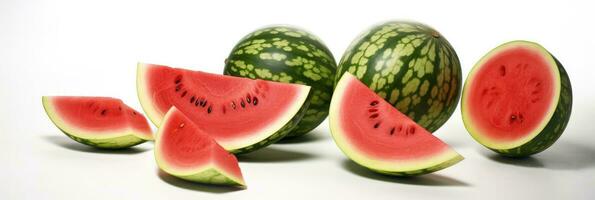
[
  {"x": 241, "y": 114},
  {"x": 184, "y": 150},
  {"x": 517, "y": 99},
  {"x": 102, "y": 122},
  {"x": 376, "y": 135}
]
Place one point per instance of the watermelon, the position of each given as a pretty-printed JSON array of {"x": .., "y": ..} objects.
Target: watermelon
[
  {"x": 411, "y": 66},
  {"x": 372, "y": 133},
  {"x": 184, "y": 150},
  {"x": 101, "y": 122},
  {"x": 241, "y": 114},
  {"x": 517, "y": 99},
  {"x": 289, "y": 55}
]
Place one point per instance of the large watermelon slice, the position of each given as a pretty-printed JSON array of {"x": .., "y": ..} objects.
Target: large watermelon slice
[
  {"x": 376, "y": 135},
  {"x": 517, "y": 99},
  {"x": 184, "y": 150},
  {"x": 101, "y": 122},
  {"x": 241, "y": 114}
]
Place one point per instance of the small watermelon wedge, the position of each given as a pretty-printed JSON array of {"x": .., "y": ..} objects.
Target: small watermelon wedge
[
  {"x": 374, "y": 134},
  {"x": 241, "y": 114},
  {"x": 517, "y": 99},
  {"x": 101, "y": 122},
  {"x": 183, "y": 150}
]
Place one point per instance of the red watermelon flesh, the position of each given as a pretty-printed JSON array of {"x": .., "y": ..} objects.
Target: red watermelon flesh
[
  {"x": 184, "y": 150},
  {"x": 375, "y": 135},
  {"x": 507, "y": 99},
  {"x": 236, "y": 112},
  {"x": 98, "y": 121}
]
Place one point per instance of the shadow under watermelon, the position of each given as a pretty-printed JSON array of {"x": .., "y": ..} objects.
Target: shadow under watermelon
[
  {"x": 563, "y": 155},
  {"x": 274, "y": 154},
  {"x": 424, "y": 180}
]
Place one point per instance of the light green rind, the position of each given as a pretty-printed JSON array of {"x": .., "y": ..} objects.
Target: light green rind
[
  {"x": 411, "y": 66},
  {"x": 213, "y": 176},
  {"x": 290, "y": 55},
  {"x": 116, "y": 140},
  {"x": 550, "y": 129},
  {"x": 438, "y": 161}
]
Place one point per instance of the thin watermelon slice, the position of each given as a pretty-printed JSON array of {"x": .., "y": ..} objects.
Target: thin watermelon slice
[
  {"x": 241, "y": 114},
  {"x": 101, "y": 122},
  {"x": 184, "y": 150},
  {"x": 517, "y": 99},
  {"x": 375, "y": 135}
]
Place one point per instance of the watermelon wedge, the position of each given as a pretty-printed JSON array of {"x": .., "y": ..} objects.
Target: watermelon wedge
[
  {"x": 102, "y": 122},
  {"x": 241, "y": 114},
  {"x": 184, "y": 150},
  {"x": 517, "y": 99},
  {"x": 371, "y": 132}
]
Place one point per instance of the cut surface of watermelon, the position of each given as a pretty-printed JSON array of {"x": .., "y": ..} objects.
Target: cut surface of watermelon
[
  {"x": 182, "y": 149},
  {"x": 514, "y": 94},
  {"x": 375, "y": 135},
  {"x": 102, "y": 122},
  {"x": 241, "y": 114}
]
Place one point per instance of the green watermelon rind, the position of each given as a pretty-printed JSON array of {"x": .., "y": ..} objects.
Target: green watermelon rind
[
  {"x": 291, "y": 55},
  {"x": 280, "y": 133},
  {"x": 554, "y": 123},
  {"x": 116, "y": 140},
  {"x": 411, "y": 66},
  {"x": 438, "y": 161}
]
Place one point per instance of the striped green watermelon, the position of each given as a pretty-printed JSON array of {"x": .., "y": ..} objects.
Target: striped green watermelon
[
  {"x": 290, "y": 55},
  {"x": 517, "y": 99},
  {"x": 411, "y": 66}
]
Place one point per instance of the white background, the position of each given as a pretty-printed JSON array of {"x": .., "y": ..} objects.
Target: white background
[{"x": 91, "y": 48}]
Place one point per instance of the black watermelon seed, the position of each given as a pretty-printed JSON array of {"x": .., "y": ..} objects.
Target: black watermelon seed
[
  {"x": 373, "y": 115},
  {"x": 242, "y": 104},
  {"x": 209, "y": 109},
  {"x": 373, "y": 103},
  {"x": 392, "y": 131},
  {"x": 377, "y": 125},
  {"x": 192, "y": 99},
  {"x": 255, "y": 101},
  {"x": 233, "y": 105}
]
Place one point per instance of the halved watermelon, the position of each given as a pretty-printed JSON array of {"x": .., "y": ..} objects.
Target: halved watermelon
[
  {"x": 101, "y": 122},
  {"x": 517, "y": 99},
  {"x": 241, "y": 114},
  {"x": 374, "y": 134},
  {"x": 184, "y": 150}
]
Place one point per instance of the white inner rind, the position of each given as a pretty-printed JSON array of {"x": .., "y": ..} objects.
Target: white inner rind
[
  {"x": 468, "y": 120},
  {"x": 73, "y": 130},
  {"x": 191, "y": 173},
  {"x": 232, "y": 144},
  {"x": 442, "y": 159}
]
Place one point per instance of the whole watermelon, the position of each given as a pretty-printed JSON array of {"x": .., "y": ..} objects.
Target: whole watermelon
[
  {"x": 290, "y": 55},
  {"x": 410, "y": 65}
]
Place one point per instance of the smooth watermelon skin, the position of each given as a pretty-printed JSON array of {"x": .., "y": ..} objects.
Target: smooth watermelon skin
[
  {"x": 424, "y": 82},
  {"x": 290, "y": 55},
  {"x": 554, "y": 128},
  {"x": 112, "y": 143}
]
